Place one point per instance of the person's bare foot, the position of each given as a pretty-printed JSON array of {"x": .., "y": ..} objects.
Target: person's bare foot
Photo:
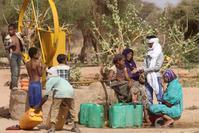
[
  {"x": 147, "y": 124},
  {"x": 52, "y": 129},
  {"x": 168, "y": 123}
]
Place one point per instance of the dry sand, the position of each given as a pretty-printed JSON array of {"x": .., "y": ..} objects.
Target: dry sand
[{"x": 188, "y": 123}]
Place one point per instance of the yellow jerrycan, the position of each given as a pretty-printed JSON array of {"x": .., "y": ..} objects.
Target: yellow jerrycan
[{"x": 30, "y": 119}]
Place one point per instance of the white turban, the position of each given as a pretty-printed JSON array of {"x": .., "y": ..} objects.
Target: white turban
[
  {"x": 156, "y": 48},
  {"x": 153, "y": 40}
]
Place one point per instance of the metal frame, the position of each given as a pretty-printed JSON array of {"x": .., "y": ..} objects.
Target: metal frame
[{"x": 55, "y": 21}]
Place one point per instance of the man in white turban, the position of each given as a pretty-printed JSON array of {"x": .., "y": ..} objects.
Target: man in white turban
[{"x": 152, "y": 65}]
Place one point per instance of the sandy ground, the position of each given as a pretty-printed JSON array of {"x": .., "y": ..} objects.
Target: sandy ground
[{"x": 188, "y": 123}]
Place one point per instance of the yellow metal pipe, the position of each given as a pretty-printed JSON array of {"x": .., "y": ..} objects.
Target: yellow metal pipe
[
  {"x": 69, "y": 47},
  {"x": 35, "y": 17},
  {"x": 56, "y": 31},
  {"x": 21, "y": 14},
  {"x": 55, "y": 21}
]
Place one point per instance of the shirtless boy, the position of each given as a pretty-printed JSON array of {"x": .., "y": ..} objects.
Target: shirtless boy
[
  {"x": 15, "y": 47},
  {"x": 35, "y": 70}
]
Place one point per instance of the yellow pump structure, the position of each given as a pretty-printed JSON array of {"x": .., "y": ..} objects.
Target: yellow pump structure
[{"x": 52, "y": 42}]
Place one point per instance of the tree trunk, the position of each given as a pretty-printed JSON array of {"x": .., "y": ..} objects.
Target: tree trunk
[{"x": 88, "y": 43}]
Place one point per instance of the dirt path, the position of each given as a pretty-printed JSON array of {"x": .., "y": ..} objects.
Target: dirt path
[{"x": 188, "y": 123}]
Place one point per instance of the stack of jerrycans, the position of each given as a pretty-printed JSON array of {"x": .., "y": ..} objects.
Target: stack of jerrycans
[
  {"x": 92, "y": 115},
  {"x": 123, "y": 115}
]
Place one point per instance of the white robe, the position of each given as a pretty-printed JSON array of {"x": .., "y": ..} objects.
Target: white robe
[{"x": 153, "y": 52}]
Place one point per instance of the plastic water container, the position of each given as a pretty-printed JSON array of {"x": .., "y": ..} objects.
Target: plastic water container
[
  {"x": 129, "y": 114},
  {"x": 137, "y": 115},
  {"x": 96, "y": 116},
  {"x": 83, "y": 115},
  {"x": 125, "y": 115},
  {"x": 117, "y": 116},
  {"x": 30, "y": 119},
  {"x": 91, "y": 115}
]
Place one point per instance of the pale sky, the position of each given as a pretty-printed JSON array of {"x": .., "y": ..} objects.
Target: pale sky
[{"x": 163, "y": 3}]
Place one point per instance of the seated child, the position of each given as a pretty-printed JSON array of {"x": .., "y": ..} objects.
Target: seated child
[
  {"x": 120, "y": 79},
  {"x": 125, "y": 89},
  {"x": 139, "y": 96}
]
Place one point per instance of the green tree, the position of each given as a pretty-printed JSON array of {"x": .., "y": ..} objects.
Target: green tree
[
  {"x": 183, "y": 34},
  {"x": 120, "y": 29}
]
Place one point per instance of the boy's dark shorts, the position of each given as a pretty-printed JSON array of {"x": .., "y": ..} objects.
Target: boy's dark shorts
[{"x": 34, "y": 93}]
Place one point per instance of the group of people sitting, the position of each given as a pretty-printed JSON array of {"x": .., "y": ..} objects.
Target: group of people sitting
[{"x": 133, "y": 84}]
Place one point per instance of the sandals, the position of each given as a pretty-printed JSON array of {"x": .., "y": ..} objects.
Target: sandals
[
  {"x": 14, "y": 127},
  {"x": 76, "y": 130},
  {"x": 51, "y": 130}
]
